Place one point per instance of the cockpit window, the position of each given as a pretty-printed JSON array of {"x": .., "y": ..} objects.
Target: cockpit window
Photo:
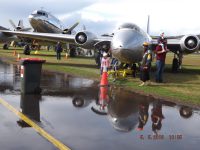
[
  {"x": 41, "y": 13},
  {"x": 129, "y": 26}
]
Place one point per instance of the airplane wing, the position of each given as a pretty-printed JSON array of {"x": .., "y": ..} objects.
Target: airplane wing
[
  {"x": 42, "y": 36},
  {"x": 168, "y": 37},
  {"x": 172, "y": 44},
  {"x": 83, "y": 39},
  {"x": 3, "y": 28}
]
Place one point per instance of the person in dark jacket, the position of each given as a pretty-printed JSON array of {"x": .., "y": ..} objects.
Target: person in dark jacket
[{"x": 58, "y": 50}]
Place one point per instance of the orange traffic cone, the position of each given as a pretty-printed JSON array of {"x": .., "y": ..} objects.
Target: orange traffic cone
[
  {"x": 14, "y": 53},
  {"x": 104, "y": 77},
  {"x": 18, "y": 57}
]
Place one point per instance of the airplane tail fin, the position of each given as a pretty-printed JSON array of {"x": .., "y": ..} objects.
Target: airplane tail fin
[
  {"x": 69, "y": 30},
  {"x": 148, "y": 20}
]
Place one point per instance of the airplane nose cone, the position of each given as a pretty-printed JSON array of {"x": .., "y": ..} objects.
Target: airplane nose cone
[
  {"x": 30, "y": 16},
  {"x": 32, "y": 20},
  {"x": 128, "y": 39},
  {"x": 127, "y": 45},
  {"x": 122, "y": 39}
]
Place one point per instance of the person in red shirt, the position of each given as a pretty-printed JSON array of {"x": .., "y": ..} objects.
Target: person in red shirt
[
  {"x": 161, "y": 51},
  {"x": 157, "y": 116}
]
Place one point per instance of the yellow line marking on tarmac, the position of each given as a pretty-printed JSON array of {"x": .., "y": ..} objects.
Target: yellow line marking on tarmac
[{"x": 38, "y": 129}]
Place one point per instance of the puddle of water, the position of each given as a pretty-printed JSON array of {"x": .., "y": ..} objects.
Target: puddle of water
[
  {"x": 85, "y": 116},
  {"x": 14, "y": 136}
]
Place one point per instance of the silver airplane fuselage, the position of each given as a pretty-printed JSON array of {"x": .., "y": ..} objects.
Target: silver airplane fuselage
[
  {"x": 44, "y": 22},
  {"x": 127, "y": 43}
]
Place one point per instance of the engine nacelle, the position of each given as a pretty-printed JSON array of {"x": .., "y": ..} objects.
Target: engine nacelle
[
  {"x": 6, "y": 38},
  {"x": 189, "y": 43},
  {"x": 85, "y": 39},
  {"x": 18, "y": 28}
]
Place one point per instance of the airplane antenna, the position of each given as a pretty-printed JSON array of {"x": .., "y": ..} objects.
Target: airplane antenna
[{"x": 148, "y": 24}]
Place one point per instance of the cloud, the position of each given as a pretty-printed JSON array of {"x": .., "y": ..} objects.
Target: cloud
[
  {"x": 102, "y": 16},
  {"x": 21, "y": 9}
]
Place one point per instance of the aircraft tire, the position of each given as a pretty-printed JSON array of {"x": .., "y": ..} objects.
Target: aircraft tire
[{"x": 175, "y": 65}]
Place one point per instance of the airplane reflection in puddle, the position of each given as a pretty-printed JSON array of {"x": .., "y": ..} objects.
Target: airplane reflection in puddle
[{"x": 127, "y": 111}]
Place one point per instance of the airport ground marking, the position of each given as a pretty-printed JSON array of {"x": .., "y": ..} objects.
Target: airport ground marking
[{"x": 37, "y": 128}]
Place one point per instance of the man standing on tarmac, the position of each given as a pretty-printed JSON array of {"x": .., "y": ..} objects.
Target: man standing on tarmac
[
  {"x": 58, "y": 50},
  {"x": 161, "y": 51}
]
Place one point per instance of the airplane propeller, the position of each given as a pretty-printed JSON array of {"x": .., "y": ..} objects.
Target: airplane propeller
[
  {"x": 191, "y": 42},
  {"x": 69, "y": 30},
  {"x": 20, "y": 26}
]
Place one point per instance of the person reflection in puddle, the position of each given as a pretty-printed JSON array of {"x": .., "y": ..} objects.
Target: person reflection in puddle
[
  {"x": 143, "y": 115},
  {"x": 156, "y": 116}
]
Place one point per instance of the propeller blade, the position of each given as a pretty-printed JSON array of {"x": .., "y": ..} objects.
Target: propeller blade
[
  {"x": 67, "y": 31},
  {"x": 13, "y": 24},
  {"x": 20, "y": 24}
]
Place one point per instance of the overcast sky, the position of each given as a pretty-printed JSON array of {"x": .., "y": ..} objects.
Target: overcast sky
[{"x": 103, "y": 16}]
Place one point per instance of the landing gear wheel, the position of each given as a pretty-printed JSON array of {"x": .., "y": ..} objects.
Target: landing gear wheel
[{"x": 175, "y": 65}]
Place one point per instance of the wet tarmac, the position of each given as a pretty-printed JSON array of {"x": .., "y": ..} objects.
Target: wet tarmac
[{"x": 84, "y": 116}]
